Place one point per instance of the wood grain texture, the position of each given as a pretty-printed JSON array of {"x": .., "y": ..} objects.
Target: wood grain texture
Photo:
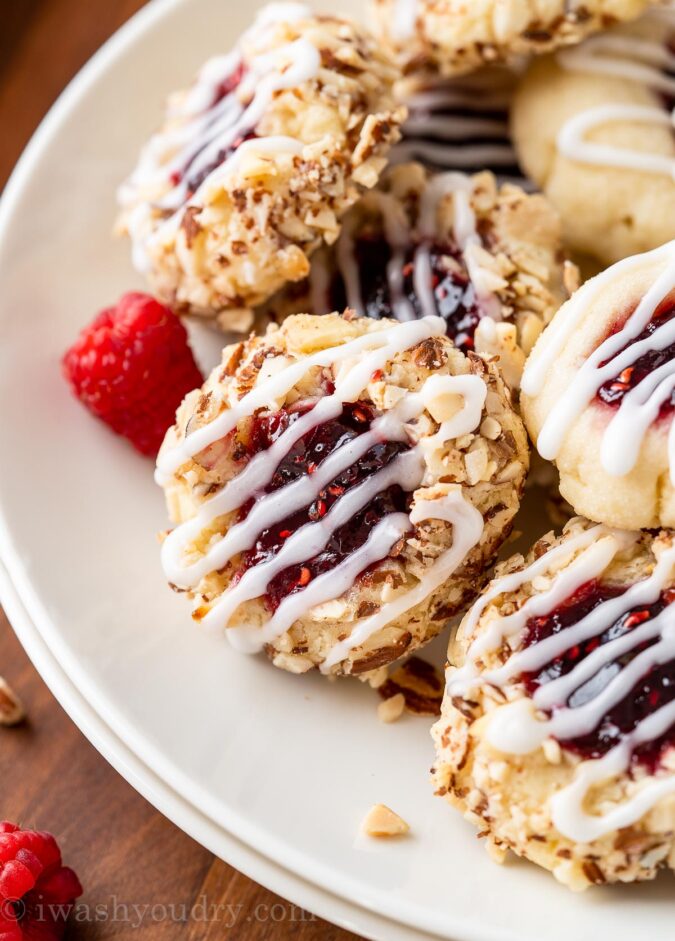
[{"x": 142, "y": 876}]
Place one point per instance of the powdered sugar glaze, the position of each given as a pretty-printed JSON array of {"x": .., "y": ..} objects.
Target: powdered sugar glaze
[{"x": 461, "y": 123}]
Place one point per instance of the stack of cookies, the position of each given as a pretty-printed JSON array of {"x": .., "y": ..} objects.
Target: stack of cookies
[{"x": 406, "y": 220}]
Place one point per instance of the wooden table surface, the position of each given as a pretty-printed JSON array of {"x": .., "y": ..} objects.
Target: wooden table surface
[{"x": 141, "y": 874}]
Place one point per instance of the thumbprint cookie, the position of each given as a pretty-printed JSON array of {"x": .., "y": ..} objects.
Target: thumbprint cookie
[
  {"x": 593, "y": 127},
  {"x": 557, "y": 733},
  {"x": 340, "y": 487},
  {"x": 257, "y": 162},
  {"x": 458, "y": 36},
  {"x": 488, "y": 259},
  {"x": 598, "y": 394}
]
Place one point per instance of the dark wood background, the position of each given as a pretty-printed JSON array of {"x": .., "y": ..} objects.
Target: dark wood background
[{"x": 129, "y": 858}]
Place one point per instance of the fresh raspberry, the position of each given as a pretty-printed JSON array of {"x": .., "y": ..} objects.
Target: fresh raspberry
[
  {"x": 132, "y": 367},
  {"x": 36, "y": 891}
]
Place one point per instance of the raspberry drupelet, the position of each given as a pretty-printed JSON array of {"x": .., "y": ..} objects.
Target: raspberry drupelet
[{"x": 36, "y": 891}]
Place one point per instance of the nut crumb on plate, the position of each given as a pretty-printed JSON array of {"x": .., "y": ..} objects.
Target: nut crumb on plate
[
  {"x": 391, "y": 709},
  {"x": 381, "y": 821},
  {"x": 419, "y": 683}
]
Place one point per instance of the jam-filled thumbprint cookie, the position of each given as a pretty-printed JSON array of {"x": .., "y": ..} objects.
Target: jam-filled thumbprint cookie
[
  {"x": 598, "y": 394},
  {"x": 340, "y": 487},
  {"x": 458, "y": 36},
  {"x": 257, "y": 162},
  {"x": 593, "y": 127},
  {"x": 557, "y": 734},
  {"x": 487, "y": 259}
]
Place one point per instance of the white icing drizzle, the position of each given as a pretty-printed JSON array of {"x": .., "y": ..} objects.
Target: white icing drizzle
[
  {"x": 330, "y": 585},
  {"x": 466, "y": 237},
  {"x": 269, "y": 509},
  {"x": 282, "y": 11},
  {"x": 567, "y": 805},
  {"x": 461, "y": 124},
  {"x": 406, "y": 471},
  {"x": 458, "y": 156},
  {"x": 640, "y": 406},
  {"x": 467, "y": 525},
  {"x": 440, "y": 126},
  {"x": 401, "y": 237},
  {"x": 440, "y": 94},
  {"x": 519, "y": 728},
  {"x": 366, "y": 355},
  {"x": 277, "y": 386},
  {"x": 405, "y": 19},
  {"x": 633, "y": 59},
  {"x": 201, "y": 131},
  {"x": 572, "y": 143},
  {"x": 596, "y": 552},
  {"x": 563, "y": 327}
]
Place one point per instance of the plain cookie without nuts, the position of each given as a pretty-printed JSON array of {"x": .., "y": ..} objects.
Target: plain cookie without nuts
[{"x": 609, "y": 211}]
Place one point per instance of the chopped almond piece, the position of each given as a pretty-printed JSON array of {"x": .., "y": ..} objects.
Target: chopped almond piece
[
  {"x": 380, "y": 821},
  {"x": 391, "y": 709}
]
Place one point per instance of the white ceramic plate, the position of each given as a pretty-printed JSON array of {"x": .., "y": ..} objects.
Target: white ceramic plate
[
  {"x": 158, "y": 792},
  {"x": 285, "y": 766}
]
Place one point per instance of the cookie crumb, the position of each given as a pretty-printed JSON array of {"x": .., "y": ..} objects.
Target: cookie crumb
[
  {"x": 391, "y": 709},
  {"x": 377, "y": 678},
  {"x": 496, "y": 851},
  {"x": 381, "y": 821},
  {"x": 552, "y": 751},
  {"x": 571, "y": 277},
  {"x": 420, "y": 684}
]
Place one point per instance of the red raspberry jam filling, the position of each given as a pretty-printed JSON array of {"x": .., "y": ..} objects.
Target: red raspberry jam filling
[
  {"x": 667, "y": 97},
  {"x": 195, "y": 179},
  {"x": 453, "y": 291},
  {"x": 654, "y": 690},
  {"x": 613, "y": 391},
  {"x": 302, "y": 461},
  {"x": 229, "y": 84}
]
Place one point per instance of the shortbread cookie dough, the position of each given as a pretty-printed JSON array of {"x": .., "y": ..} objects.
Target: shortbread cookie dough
[
  {"x": 593, "y": 128},
  {"x": 340, "y": 487},
  {"x": 598, "y": 394},
  {"x": 557, "y": 736},
  {"x": 257, "y": 162},
  {"x": 488, "y": 259},
  {"x": 457, "y": 36}
]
